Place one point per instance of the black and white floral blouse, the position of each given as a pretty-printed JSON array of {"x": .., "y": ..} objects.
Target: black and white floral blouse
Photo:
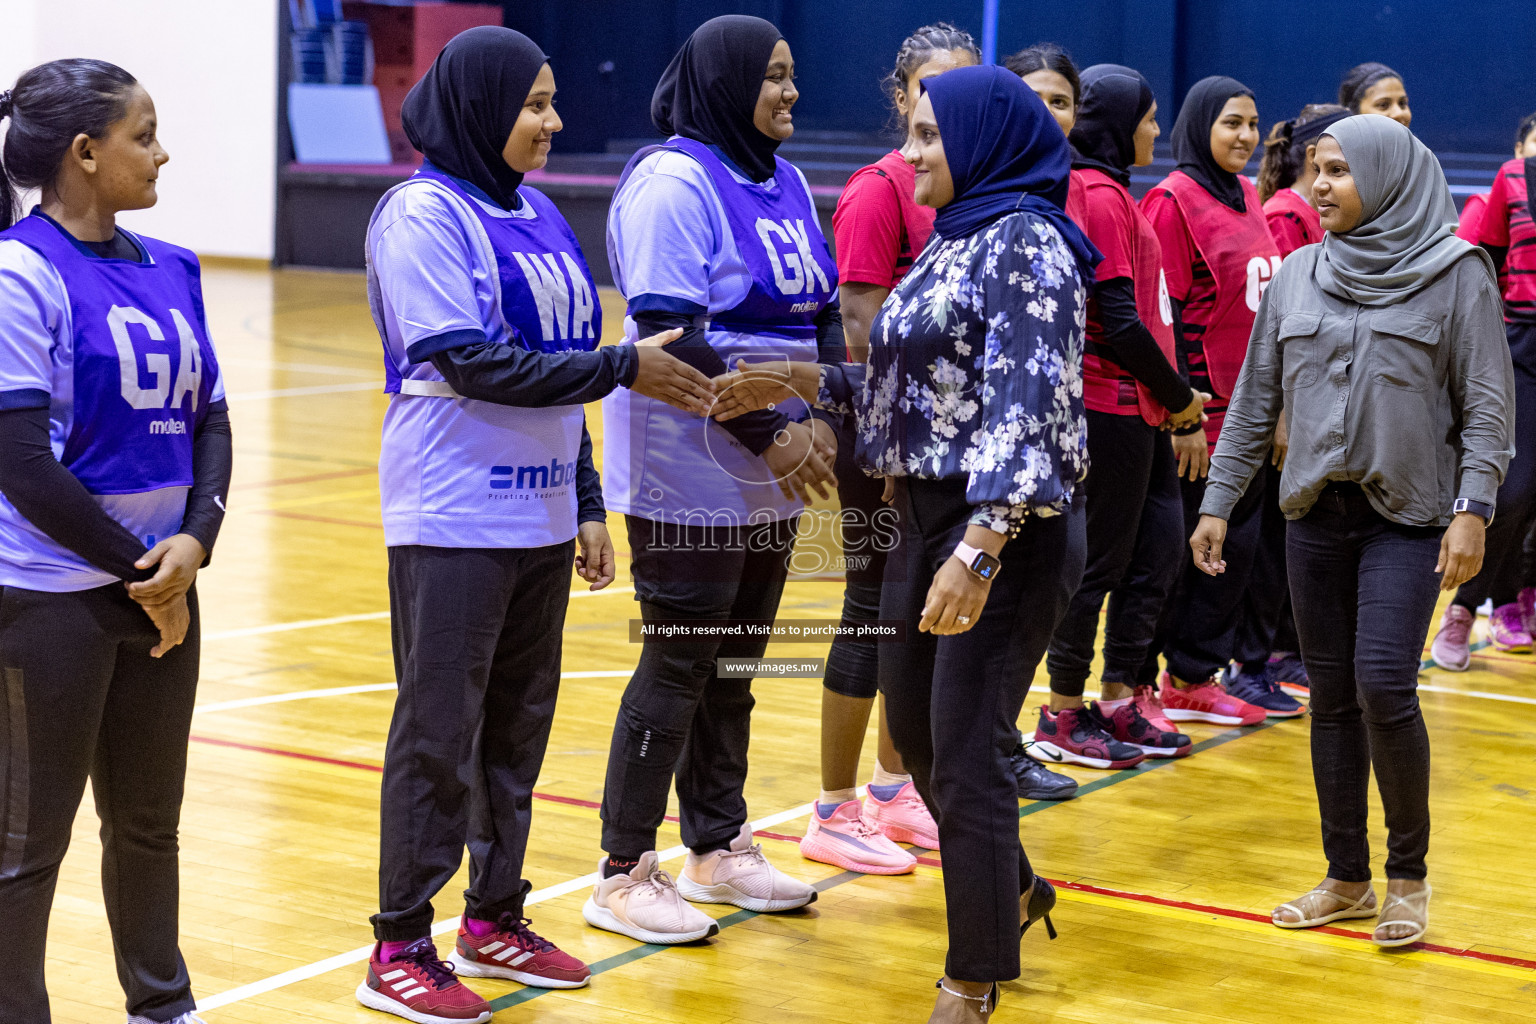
[{"x": 975, "y": 371}]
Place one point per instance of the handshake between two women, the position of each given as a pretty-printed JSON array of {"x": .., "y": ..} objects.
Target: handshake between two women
[{"x": 801, "y": 455}]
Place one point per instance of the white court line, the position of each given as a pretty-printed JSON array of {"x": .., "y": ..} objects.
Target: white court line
[
  {"x": 313, "y": 389},
  {"x": 362, "y": 953},
  {"x": 1485, "y": 695},
  {"x": 342, "y": 691},
  {"x": 336, "y": 620}
]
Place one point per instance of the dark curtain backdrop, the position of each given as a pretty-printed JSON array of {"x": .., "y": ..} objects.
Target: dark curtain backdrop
[{"x": 1469, "y": 67}]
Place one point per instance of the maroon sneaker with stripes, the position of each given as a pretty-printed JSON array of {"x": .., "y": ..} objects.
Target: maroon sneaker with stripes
[
  {"x": 516, "y": 953},
  {"x": 418, "y": 986}
]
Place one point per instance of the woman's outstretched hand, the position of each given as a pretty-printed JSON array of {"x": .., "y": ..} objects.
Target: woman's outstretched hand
[
  {"x": 668, "y": 379},
  {"x": 762, "y": 385}
]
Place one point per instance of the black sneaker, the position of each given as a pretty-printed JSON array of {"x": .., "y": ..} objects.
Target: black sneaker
[
  {"x": 1287, "y": 672},
  {"x": 1036, "y": 781}
]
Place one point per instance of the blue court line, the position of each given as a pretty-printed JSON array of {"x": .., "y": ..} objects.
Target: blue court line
[
  {"x": 629, "y": 956},
  {"x": 1429, "y": 663}
]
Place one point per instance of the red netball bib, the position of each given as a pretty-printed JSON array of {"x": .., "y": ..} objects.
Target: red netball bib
[{"x": 1242, "y": 256}]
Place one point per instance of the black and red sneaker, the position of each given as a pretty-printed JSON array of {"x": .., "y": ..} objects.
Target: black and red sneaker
[
  {"x": 1074, "y": 736},
  {"x": 516, "y": 953},
  {"x": 418, "y": 986},
  {"x": 1128, "y": 725}
]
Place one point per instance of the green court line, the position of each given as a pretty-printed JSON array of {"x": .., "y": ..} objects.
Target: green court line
[
  {"x": 629, "y": 956},
  {"x": 1429, "y": 663},
  {"x": 1150, "y": 765}
]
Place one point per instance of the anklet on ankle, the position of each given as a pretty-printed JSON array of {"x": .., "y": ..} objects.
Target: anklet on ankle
[{"x": 988, "y": 1002}]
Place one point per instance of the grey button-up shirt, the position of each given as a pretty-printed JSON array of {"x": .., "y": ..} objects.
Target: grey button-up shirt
[{"x": 1414, "y": 402}]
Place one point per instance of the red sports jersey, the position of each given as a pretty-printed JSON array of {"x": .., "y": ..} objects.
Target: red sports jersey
[
  {"x": 1218, "y": 263},
  {"x": 1470, "y": 226},
  {"x": 1105, "y": 211},
  {"x": 878, "y": 227},
  {"x": 1507, "y": 222},
  {"x": 1293, "y": 222}
]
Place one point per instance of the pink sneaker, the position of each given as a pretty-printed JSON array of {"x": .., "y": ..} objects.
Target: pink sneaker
[
  {"x": 904, "y": 818},
  {"x": 1452, "y": 649},
  {"x": 742, "y": 877},
  {"x": 847, "y": 841},
  {"x": 1207, "y": 702},
  {"x": 1151, "y": 708},
  {"x": 1508, "y": 630},
  {"x": 1527, "y": 602}
]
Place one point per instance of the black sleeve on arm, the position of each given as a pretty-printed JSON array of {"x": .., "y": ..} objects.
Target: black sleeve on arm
[
  {"x": 1133, "y": 344},
  {"x": 1181, "y": 349},
  {"x": 212, "y": 461},
  {"x": 52, "y": 499},
  {"x": 512, "y": 375},
  {"x": 1499, "y": 253},
  {"x": 831, "y": 346},
  {"x": 755, "y": 430},
  {"x": 1180, "y": 346},
  {"x": 589, "y": 486}
]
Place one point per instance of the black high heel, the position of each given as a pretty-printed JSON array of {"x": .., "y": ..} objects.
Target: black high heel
[
  {"x": 1042, "y": 900},
  {"x": 988, "y": 1002}
]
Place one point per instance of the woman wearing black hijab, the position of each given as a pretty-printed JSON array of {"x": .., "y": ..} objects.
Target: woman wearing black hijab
[
  {"x": 490, "y": 323},
  {"x": 713, "y": 233},
  {"x": 1131, "y": 389},
  {"x": 1218, "y": 256}
]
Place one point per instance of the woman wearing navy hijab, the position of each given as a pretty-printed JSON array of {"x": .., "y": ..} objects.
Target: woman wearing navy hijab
[{"x": 971, "y": 407}]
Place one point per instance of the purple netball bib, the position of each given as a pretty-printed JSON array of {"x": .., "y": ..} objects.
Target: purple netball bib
[
  {"x": 143, "y": 367},
  {"x": 547, "y": 292},
  {"x": 779, "y": 237}
]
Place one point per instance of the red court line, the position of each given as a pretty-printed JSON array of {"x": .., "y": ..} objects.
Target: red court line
[
  {"x": 285, "y": 481},
  {"x": 365, "y": 766},
  {"x": 1119, "y": 894},
  {"x": 317, "y": 519},
  {"x": 1244, "y": 915}
]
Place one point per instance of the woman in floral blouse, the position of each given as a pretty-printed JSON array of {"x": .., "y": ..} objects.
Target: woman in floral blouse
[{"x": 971, "y": 407}]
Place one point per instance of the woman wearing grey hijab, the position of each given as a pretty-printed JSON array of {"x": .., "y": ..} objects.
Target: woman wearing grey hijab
[{"x": 1384, "y": 345}]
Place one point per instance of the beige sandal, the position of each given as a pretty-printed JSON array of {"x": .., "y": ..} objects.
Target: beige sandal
[
  {"x": 1365, "y": 906},
  {"x": 1422, "y": 898}
]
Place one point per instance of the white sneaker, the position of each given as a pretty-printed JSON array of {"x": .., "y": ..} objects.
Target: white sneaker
[
  {"x": 645, "y": 905},
  {"x": 186, "y": 1018},
  {"x": 742, "y": 877}
]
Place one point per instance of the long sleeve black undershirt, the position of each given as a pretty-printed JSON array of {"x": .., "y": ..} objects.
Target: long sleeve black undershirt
[
  {"x": 52, "y": 499},
  {"x": 1132, "y": 344},
  {"x": 1181, "y": 349},
  {"x": 589, "y": 486},
  {"x": 1499, "y": 254},
  {"x": 512, "y": 375}
]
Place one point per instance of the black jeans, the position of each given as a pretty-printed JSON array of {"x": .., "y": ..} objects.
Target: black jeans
[
  {"x": 1501, "y": 578},
  {"x": 867, "y": 528},
  {"x": 1364, "y": 591},
  {"x": 952, "y": 703},
  {"x": 677, "y": 717},
  {"x": 1199, "y": 632},
  {"x": 83, "y": 698},
  {"x": 1267, "y": 624},
  {"x": 1134, "y": 527},
  {"x": 477, "y": 636}
]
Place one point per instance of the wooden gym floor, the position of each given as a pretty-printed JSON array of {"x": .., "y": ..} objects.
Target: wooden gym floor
[{"x": 1170, "y": 871}]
